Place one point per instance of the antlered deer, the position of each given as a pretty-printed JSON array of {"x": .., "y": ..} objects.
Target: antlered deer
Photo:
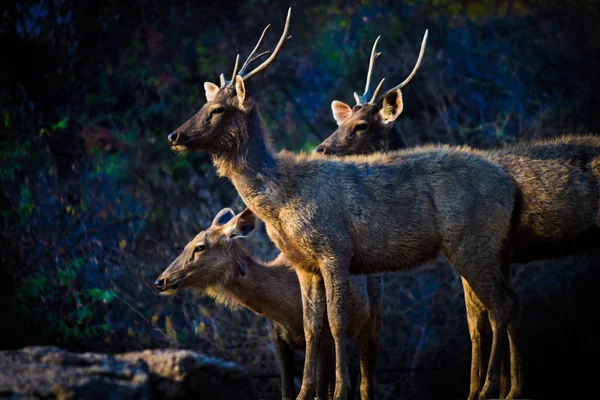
[
  {"x": 217, "y": 263},
  {"x": 557, "y": 204},
  {"x": 363, "y": 129},
  {"x": 335, "y": 217}
]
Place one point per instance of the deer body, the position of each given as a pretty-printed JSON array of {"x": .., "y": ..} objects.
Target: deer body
[
  {"x": 557, "y": 208},
  {"x": 367, "y": 214},
  {"x": 227, "y": 271},
  {"x": 362, "y": 214}
]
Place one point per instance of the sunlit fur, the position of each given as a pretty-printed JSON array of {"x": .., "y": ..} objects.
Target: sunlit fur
[
  {"x": 228, "y": 272},
  {"x": 556, "y": 207},
  {"x": 378, "y": 137},
  {"x": 368, "y": 214}
]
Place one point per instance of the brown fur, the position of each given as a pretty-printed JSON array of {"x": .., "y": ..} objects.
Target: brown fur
[
  {"x": 228, "y": 272},
  {"x": 333, "y": 217},
  {"x": 362, "y": 131},
  {"x": 557, "y": 209}
]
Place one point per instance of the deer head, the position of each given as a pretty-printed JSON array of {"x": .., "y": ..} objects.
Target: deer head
[
  {"x": 215, "y": 127},
  {"x": 212, "y": 257},
  {"x": 366, "y": 127}
]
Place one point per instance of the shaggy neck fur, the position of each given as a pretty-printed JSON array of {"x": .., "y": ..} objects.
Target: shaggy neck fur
[
  {"x": 246, "y": 147},
  {"x": 270, "y": 291}
]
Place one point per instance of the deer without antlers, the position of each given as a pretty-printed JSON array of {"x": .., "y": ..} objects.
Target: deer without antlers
[
  {"x": 335, "y": 217},
  {"x": 218, "y": 263}
]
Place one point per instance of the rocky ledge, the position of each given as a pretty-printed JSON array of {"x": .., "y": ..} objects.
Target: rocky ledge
[{"x": 50, "y": 372}]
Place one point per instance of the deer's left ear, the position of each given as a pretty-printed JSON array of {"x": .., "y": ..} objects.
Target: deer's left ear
[
  {"x": 210, "y": 89},
  {"x": 392, "y": 106},
  {"x": 244, "y": 101},
  {"x": 340, "y": 111},
  {"x": 241, "y": 226}
]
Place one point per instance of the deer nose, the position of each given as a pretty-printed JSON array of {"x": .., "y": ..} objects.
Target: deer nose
[
  {"x": 160, "y": 284},
  {"x": 172, "y": 138},
  {"x": 319, "y": 149}
]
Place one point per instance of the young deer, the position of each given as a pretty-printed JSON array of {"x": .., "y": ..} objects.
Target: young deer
[
  {"x": 220, "y": 265},
  {"x": 334, "y": 217},
  {"x": 556, "y": 209}
]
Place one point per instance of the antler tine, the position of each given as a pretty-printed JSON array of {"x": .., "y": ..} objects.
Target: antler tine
[
  {"x": 249, "y": 59},
  {"x": 364, "y": 98},
  {"x": 235, "y": 69},
  {"x": 268, "y": 61},
  {"x": 415, "y": 69},
  {"x": 376, "y": 92}
]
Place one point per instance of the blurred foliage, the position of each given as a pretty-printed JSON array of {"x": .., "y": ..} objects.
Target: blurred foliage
[{"x": 95, "y": 206}]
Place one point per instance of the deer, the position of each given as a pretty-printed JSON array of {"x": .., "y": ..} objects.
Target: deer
[
  {"x": 362, "y": 131},
  {"x": 557, "y": 206},
  {"x": 218, "y": 263},
  {"x": 336, "y": 217}
]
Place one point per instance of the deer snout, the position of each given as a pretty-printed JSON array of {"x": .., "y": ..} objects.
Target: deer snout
[
  {"x": 166, "y": 286},
  {"x": 172, "y": 138},
  {"x": 320, "y": 149},
  {"x": 160, "y": 284}
]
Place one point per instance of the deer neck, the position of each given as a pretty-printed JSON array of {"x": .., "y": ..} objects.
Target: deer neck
[
  {"x": 395, "y": 139},
  {"x": 272, "y": 292},
  {"x": 252, "y": 166}
]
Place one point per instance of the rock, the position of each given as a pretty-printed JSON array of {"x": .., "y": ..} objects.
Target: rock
[
  {"x": 178, "y": 374},
  {"x": 50, "y": 372}
]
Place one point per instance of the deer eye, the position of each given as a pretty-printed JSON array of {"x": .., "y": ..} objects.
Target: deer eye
[
  {"x": 361, "y": 126},
  {"x": 216, "y": 111},
  {"x": 200, "y": 247}
]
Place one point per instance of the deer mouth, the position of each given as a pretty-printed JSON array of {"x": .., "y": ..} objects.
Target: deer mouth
[
  {"x": 179, "y": 148},
  {"x": 170, "y": 289}
]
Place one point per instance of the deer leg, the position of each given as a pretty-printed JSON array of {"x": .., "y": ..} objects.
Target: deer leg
[
  {"x": 285, "y": 359},
  {"x": 484, "y": 275},
  {"x": 516, "y": 375},
  {"x": 336, "y": 278},
  {"x": 325, "y": 364},
  {"x": 313, "y": 303},
  {"x": 476, "y": 319},
  {"x": 499, "y": 298},
  {"x": 368, "y": 347}
]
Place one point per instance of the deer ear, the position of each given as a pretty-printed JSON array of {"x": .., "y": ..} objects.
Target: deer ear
[
  {"x": 392, "y": 106},
  {"x": 223, "y": 217},
  {"x": 210, "y": 89},
  {"x": 340, "y": 111},
  {"x": 244, "y": 100},
  {"x": 242, "y": 225}
]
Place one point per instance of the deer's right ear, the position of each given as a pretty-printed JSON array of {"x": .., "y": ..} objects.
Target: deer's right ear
[
  {"x": 211, "y": 90},
  {"x": 242, "y": 225},
  {"x": 245, "y": 102},
  {"x": 392, "y": 106},
  {"x": 223, "y": 217},
  {"x": 340, "y": 111}
]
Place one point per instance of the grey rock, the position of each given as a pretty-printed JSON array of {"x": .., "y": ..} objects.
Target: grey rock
[{"x": 50, "y": 372}]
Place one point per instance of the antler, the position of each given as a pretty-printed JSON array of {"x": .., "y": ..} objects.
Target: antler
[
  {"x": 242, "y": 73},
  {"x": 360, "y": 100},
  {"x": 412, "y": 74}
]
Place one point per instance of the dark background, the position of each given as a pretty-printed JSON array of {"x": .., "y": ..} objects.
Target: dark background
[{"x": 95, "y": 205}]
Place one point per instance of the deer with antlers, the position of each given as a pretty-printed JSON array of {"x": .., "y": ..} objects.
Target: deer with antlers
[
  {"x": 556, "y": 208},
  {"x": 363, "y": 129},
  {"x": 336, "y": 217}
]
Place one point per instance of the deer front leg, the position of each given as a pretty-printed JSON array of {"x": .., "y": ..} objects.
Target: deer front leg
[
  {"x": 476, "y": 319},
  {"x": 313, "y": 303},
  {"x": 336, "y": 278},
  {"x": 285, "y": 359}
]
